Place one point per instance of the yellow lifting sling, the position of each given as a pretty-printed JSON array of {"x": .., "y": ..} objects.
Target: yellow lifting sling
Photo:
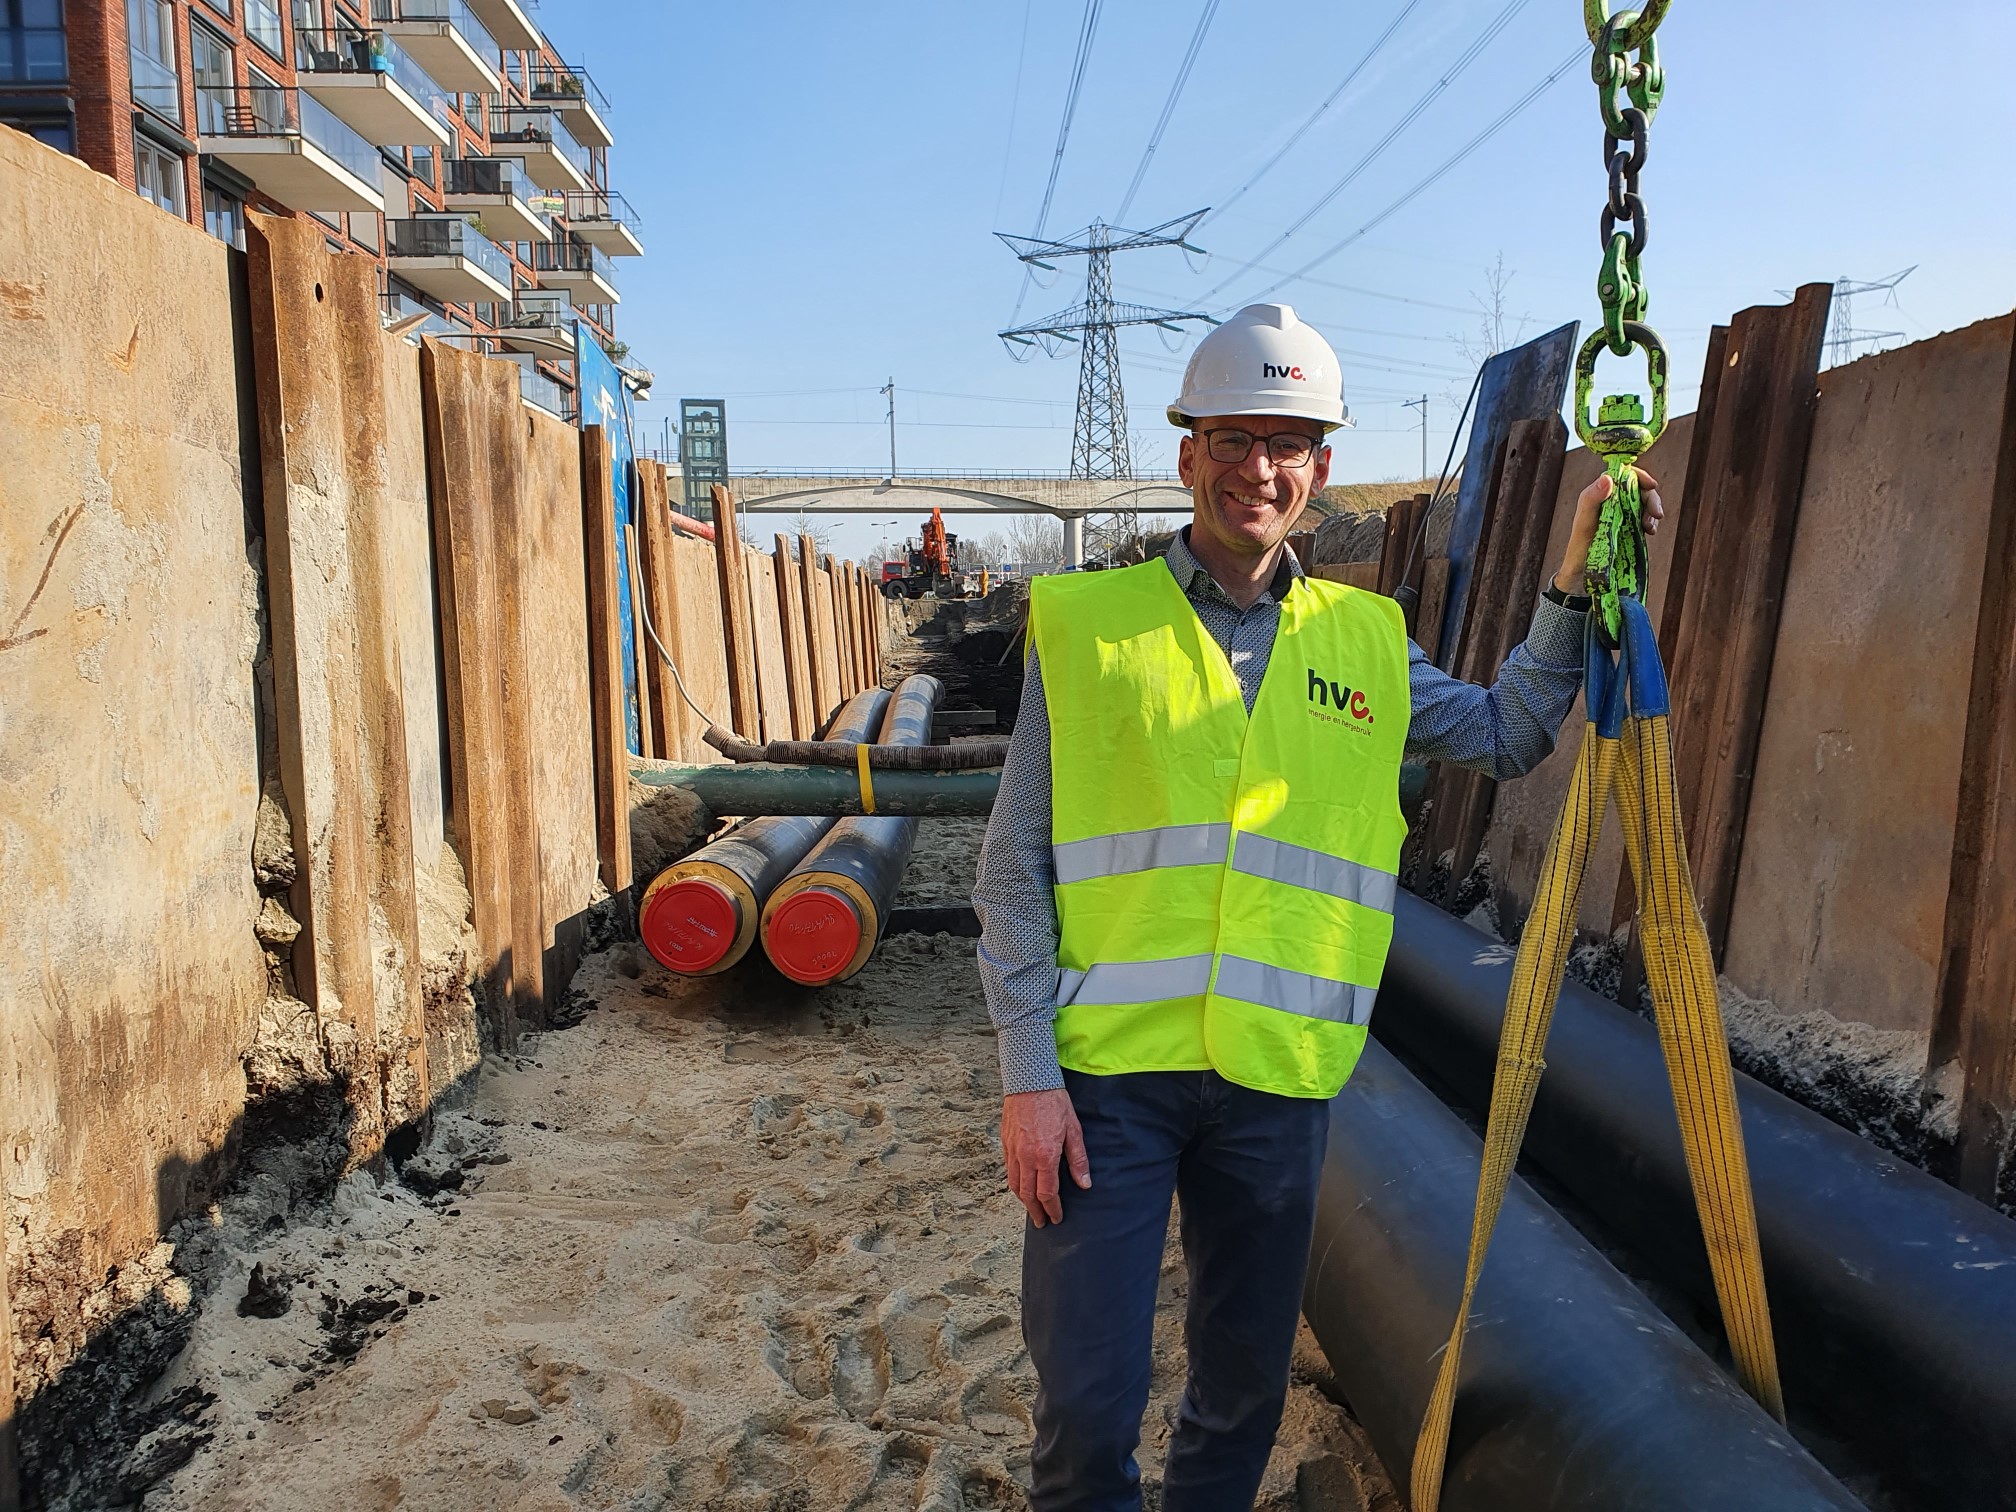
[{"x": 1632, "y": 758}]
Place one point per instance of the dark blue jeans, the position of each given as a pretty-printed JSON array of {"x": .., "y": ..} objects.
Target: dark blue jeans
[{"x": 1245, "y": 1165}]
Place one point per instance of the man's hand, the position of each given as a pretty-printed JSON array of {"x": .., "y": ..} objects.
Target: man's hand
[
  {"x": 1038, "y": 1129},
  {"x": 1573, "y": 576}
]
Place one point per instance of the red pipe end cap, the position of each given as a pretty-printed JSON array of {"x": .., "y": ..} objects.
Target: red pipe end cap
[
  {"x": 813, "y": 935},
  {"x": 691, "y": 925}
]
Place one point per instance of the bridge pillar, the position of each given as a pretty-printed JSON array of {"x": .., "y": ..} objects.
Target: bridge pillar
[{"x": 1074, "y": 540}]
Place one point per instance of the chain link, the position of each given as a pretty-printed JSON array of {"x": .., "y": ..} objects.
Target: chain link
[{"x": 1628, "y": 92}]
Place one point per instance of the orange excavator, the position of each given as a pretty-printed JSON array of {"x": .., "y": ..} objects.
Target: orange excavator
[{"x": 932, "y": 567}]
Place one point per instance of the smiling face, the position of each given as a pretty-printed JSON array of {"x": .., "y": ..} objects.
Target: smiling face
[{"x": 1246, "y": 507}]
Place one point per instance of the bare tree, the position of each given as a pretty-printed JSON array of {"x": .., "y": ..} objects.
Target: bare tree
[
  {"x": 1497, "y": 328},
  {"x": 1036, "y": 541},
  {"x": 802, "y": 524}
]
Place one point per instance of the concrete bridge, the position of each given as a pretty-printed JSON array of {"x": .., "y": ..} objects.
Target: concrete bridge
[{"x": 1069, "y": 499}]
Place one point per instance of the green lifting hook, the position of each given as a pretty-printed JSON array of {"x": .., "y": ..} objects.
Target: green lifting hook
[{"x": 1620, "y": 435}]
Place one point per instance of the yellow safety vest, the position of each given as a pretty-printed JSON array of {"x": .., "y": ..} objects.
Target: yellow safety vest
[{"x": 1224, "y": 883}]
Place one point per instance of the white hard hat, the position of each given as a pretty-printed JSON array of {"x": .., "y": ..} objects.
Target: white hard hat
[{"x": 1263, "y": 361}]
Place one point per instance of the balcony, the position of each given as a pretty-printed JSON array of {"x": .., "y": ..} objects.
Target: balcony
[
  {"x": 373, "y": 85},
  {"x": 539, "y": 140},
  {"x": 583, "y": 271},
  {"x": 290, "y": 146},
  {"x": 446, "y": 39},
  {"x": 541, "y": 323},
  {"x": 581, "y": 104},
  {"x": 508, "y": 23},
  {"x": 497, "y": 190},
  {"x": 448, "y": 259},
  {"x": 413, "y": 319},
  {"x": 605, "y": 220},
  {"x": 536, "y": 389}
]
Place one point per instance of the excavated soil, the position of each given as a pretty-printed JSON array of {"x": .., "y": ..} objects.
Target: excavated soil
[{"x": 723, "y": 1244}]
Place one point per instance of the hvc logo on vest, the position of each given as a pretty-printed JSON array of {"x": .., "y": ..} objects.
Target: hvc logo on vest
[{"x": 1352, "y": 711}]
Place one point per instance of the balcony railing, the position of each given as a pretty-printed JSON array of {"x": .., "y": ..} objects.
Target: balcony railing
[
  {"x": 368, "y": 52},
  {"x": 263, "y": 110},
  {"x": 561, "y": 83},
  {"x": 539, "y": 310},
  {"x": 539, "y": 124},
  {"x": 156, "y": 86},
  {"x": 262, "y": 25},
  {"x": 536, "y": 388},
  {"x": 601, "y": 205},
  {"x": 573, "y": 257},
  {"x": 447, "y": 236},
  {"x": 455, "y": 12},
  {"x": 486, "y": 176},
  {"x": 399, "y": 307}
]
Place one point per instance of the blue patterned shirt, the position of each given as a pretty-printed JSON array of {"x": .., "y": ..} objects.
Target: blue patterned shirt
[{"x": 1505, "y": 730}]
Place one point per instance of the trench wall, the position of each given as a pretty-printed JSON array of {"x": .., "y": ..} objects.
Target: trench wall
[
  {"x": 1870, "y": 894},
  {"x": 300, "y": 801}
]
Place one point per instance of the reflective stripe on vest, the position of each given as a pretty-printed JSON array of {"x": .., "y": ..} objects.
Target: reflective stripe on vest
[
  {"x": 1278, "y": 861},
  {"x": 1115, "y": 982},
  {"x": 1224, "y": 877},
  {"x": 1141, "y": 850}
]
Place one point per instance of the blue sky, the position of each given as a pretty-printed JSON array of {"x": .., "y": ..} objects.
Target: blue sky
[{"x": 819, "y": 185}]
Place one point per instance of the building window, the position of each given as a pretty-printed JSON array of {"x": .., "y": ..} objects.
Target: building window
[
  {"x": 150, "y": 47},
  {"x": 224, "y": 216},
  {"x": 210, "y": 62},
  {"x": 157, "y": 174},
  {"x": 50, "y": 131},
  {"x": 31, "y": 42},
  {"x": 423, "y": 165},
  {"x": 262, "y": 25},
  {"x": 364, "y": 229}
]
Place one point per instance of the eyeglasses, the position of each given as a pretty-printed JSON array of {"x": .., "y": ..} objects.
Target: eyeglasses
[{"x": 1284, "y": 448}]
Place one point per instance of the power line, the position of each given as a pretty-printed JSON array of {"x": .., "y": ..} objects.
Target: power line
[
  {"x": 1014, "y": 111},
  {"x": 1464, "y": 59},
  {"x": 1408, "y": 198},
  {"x": 1088, "y": 26},
  {"x": 1168, "y": 107},
  {"x": 1314, "y": 116}
]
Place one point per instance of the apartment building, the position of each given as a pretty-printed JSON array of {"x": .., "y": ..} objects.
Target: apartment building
[{"x": 447, "y": 140}]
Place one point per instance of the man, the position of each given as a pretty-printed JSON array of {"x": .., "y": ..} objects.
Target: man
[{"x": 1186, "y": 898}]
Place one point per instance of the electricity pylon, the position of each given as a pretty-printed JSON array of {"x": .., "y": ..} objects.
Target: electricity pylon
[
  {"x": 1099, "y": 436},
  {"x": 1842, "y": 336}
]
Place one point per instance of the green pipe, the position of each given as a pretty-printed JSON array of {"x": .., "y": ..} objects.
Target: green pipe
[
  {"x": 763, "y": 788},
  {"x": 760, "y": 787}
]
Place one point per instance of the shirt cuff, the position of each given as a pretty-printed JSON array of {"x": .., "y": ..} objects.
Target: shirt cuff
[
  {"x": 1029, "y": 1057},
  {"x": 1555, "y": 638}
]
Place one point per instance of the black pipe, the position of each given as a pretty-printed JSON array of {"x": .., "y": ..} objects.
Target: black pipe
[
  {"x": 699, "y": 916},
  {"x": 1893, "y": 1295},
  {"x": 1575, "y": 1392},
  {"x": 824, "y": 920}
]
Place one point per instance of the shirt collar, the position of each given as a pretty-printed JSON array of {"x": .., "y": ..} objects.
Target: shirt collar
[{"x": 1193, "y": 579}]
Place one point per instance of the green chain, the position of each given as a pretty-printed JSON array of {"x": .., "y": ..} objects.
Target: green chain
[{"x": 1629, "y": 92}]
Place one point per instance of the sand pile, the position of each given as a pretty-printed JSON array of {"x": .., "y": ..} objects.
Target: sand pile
[{"x": 723, "y": 1245}]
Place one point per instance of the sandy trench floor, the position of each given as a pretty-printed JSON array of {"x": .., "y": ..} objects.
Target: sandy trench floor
[{"x": 724, "y": 1244}]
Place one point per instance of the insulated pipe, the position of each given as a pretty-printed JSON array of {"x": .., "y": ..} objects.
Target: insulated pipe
[
  {"x": 823, "y": 921},
  {"x": 1893, "y": 1295},
  {"x": 699, "y": 916},
  {"x": 763, "y": 789},
  {"x": 1576, "y": 1392}
]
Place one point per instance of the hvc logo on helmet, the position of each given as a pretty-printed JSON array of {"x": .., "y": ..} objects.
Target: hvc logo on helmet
[
  {"x": 1269, "y": 370},
  {"x": 1328, "y": 693}
]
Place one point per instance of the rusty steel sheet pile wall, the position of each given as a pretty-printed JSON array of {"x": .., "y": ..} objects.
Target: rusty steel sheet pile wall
[
  {"x": 554, "y": 586},
  {"x": 1840, "y": 899},
  {"x": 332, "y": 485},
  {"x": 299, "y": 799},
  {"x": 131, "y": 979},
  {"x": 1833, "y": 615}
]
